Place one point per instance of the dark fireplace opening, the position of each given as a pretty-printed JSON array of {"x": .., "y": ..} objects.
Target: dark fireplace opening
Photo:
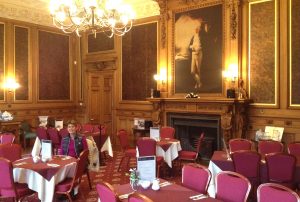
[{"x": 189, "y": 127}]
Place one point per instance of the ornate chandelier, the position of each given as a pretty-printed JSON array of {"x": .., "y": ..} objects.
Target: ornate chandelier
[{"x": 112, "y": 17}]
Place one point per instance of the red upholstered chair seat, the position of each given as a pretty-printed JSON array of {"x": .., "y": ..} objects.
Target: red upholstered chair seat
[
  {"x": 64, "y": 185},
  {"x": 188, "y": 155},
  {"x": 22, "y": 189},
  {"x": 128, "y": 152},
  {"x": 8, "y": 188}
]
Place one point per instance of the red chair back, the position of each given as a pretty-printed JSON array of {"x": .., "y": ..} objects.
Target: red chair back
[
  {"x": 146, "y": 147},
  {"x": 81, "y": 164},
  {"x": 7, "y": 138},
  {"x": 42, "y": 133},
  {"x": 167, "y": 132},
  {"x": 200, "y": 140},
  {"x": 239, "y": 144},
  {"x": 11, "y": 152},
  {"x": 269, "y": 146},
  {"x": 63, "y": 133},
  {"x": 96, "y": 129},
  {"x": 294, "y": 148},
  {"x": 54, "y": 136},
  {"x": 231, "y": 186},
  {"x": 281, "y": 168},
  {"x": 246, "y": 163},
  {"x": 7, "y": 187},
  {"x": 106, "y": 192},
  {"x": 87, "y": 128},
  {"x": 272, "y": 192},
  {"x": 123, "y": 138},
  {"x": 196, "y": 177}
]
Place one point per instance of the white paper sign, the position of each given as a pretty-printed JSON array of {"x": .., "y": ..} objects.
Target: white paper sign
[
  {"x": 273, "y": 133},
  {"x": 146, "y": 167},
  {"x": 155, "y": 133},
  {"x": 59, "y": 124},
  {"x": 46, "y": 149}
]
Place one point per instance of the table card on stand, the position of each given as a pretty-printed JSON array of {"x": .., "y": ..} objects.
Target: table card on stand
[
  {"x": 146, "y": 167},
  {"x": 155, "y": 133},
  {"x": 46, "y": 150},
  {"x": 59, "y": 124},
  {"x": 273, "y": 133}
]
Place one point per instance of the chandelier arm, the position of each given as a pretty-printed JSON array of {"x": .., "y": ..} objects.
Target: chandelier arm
[{"x": 78, "y": 18}]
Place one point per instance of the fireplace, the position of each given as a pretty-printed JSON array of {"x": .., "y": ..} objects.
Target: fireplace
[{"x": 188, "y": 128}]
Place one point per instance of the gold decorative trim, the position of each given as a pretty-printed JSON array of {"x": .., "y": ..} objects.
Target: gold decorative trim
[
  {"x": 29, "y": 65},
  {"x": 290, "y": 56},
  {"x": 180, "y": 10},
  {"x": 275, "y": 104},
  {"x": 233, "y": 18}
]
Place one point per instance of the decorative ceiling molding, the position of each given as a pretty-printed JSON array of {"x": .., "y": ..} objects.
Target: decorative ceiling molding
[
  {"x": 36, "y": 11},
  {"x": 31, "y": 15},
  {"x": 146, "y": 9}
]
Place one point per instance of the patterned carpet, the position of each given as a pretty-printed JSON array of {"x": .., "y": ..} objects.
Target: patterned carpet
[{"x": 108, "y": 173}]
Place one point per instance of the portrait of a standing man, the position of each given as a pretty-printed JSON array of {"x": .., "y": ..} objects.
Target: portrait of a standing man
[{"x": 198, "y": 50}]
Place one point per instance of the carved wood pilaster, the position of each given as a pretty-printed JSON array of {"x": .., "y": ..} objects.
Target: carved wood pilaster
[
  {"x": 233, "y": 6},
  {"x": 156, "y": 114},
  {"x": 163, "y": 18}
]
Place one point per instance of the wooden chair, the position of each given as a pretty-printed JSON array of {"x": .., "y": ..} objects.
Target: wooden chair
[{"x": 27, "y": 133}]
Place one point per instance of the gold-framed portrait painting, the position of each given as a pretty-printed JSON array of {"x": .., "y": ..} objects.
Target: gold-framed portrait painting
[{"x": 198, "y": 49}]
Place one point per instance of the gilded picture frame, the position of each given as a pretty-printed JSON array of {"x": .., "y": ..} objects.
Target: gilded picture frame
[{"x": 197, "y": 66}]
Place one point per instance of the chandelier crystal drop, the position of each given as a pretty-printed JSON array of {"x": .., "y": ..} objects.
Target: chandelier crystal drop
[{"x": 112, "y": 17}]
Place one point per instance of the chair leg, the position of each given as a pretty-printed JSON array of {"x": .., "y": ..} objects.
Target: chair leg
[
  {"x": 157, "y": 171},
  {"x": 121, "y": 163},
  {"x": 69, "y": 197},
  {"x": 89, "y": 179},
  {"x": 24, "y": 142},
  {"x": 128, "y": 161}
]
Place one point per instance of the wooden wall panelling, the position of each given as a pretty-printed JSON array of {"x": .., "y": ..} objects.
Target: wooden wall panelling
[
  {"x": 100, "y": 99},
  {"x": 54, "y": 66},
  {"x": 107, "y": 110},
  {"x": 100, "y": 42},
  {"x": 94, "y": 97},
  {"x": 23, "y": 73},
  {"x": 139, "y": 61},
  {"x": 125, "y": 117},
  {"x": 263, "y": 53},
  {"x": 294, "y": 52}
]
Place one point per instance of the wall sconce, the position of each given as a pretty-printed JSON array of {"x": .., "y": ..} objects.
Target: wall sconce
[
  {"x": 162, "y": 76},
  {"x": 10, "y": 84},
  {"x": 231, "y": 74}
]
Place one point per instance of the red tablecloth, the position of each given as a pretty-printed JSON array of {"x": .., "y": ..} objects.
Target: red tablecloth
[
  {"x": 166, "y": 143},
  {"x": 47, "y": 170},
  {"x": 172, "y": 193},
  {"x": 220, "y": 159}
]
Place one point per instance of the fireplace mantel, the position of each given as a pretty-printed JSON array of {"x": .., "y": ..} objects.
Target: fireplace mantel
[{"x": 233, "y": 112}]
